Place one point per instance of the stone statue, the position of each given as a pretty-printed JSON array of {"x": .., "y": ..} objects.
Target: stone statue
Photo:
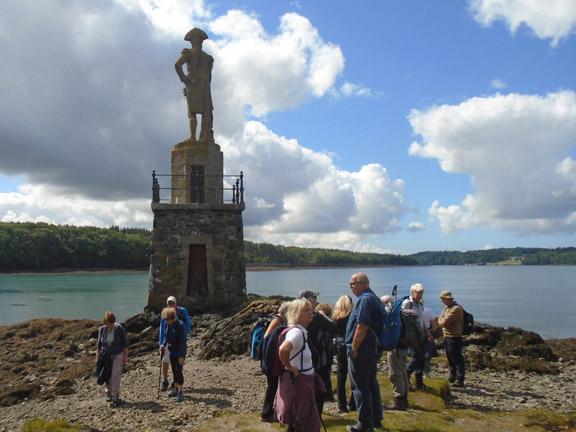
[{"x": 197, "y": 82}]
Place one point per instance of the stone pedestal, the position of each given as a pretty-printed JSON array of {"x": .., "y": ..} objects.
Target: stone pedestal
[
  {"x": 197, "y": 169},
  {"x": 198, "y": 256}
]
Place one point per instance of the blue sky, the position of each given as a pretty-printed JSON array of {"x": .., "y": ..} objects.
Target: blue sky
[{"x": 384, "y": 126}]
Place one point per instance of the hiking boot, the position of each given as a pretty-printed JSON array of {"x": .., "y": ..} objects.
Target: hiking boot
[
  {"x": 117, "y": 401},
  {"x": 451, "y": 379},
  {"x": 173, "y": 393},
  {"x": 397, "y": 405},
  {"x": 359, "y": 429},
  {"x": 180, "y": 397},
  {"x": 422, "y": 386},
  {"x": 268, "y": 419},
  {"x": 459, "y": 383},
  {"x": 109, "y": 397},
  {"x": 343, "y": 410},
  {"x": 404, "y": 403},
  {"x": 165, "y": 385}
]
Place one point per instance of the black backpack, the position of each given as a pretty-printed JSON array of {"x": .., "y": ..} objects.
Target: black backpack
[
  {"x": 468, "y": 323},
  {"x": 412, "y": 334},
  {"x": 468, "y": 327}
]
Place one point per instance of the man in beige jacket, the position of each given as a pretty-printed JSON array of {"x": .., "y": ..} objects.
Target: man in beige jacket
[{"x": 452, "y": 322}]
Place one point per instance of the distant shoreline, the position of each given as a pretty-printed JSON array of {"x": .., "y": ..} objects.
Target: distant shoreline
[{"x": 61, "y": 272}]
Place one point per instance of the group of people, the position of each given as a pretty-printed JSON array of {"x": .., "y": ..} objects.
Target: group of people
[
  {"x": 315, "y": 335},
  {"x": 112, "y": 351},
  {"x": 297, "y": 396}
]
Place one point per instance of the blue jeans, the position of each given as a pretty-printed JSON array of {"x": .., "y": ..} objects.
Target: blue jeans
[{"x": 366, "y": 390}]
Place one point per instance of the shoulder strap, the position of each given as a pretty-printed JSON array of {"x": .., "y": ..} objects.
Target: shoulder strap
[{"x": 301, "y": 351}]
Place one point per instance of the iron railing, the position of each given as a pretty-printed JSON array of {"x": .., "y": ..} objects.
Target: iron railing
[{"x": 197, "y": 188}]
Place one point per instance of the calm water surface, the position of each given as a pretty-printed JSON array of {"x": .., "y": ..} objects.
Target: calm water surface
[{"x": 527, "y": 297}]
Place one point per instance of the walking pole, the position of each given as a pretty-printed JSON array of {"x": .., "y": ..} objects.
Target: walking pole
[
  {"x": 293, "y": 401},
  {"x": 160, "y": 374}
]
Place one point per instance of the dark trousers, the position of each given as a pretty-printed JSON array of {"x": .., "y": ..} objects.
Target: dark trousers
[
  {"x": 176, "y": 369},
  {"x": 268, "y": 406},
  {"x": 416, "y": 363},
  {"x": 324, "y": 373},
  {"x": 341, "y": 375},
  {"x": 366, "y": 390},
  {"x": 453, "y": 348}
]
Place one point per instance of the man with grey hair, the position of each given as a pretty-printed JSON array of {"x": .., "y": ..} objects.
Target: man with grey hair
[{"x": 417, "y": 361}]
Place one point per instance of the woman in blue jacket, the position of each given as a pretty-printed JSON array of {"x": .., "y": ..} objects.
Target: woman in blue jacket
[{"x": 174, "y": 340}]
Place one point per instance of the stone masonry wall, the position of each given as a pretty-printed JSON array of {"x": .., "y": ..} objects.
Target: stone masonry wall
[{"x": 220, "y": 229}]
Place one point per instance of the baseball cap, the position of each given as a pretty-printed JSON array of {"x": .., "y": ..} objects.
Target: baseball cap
[{"x": 307, "y": 294}]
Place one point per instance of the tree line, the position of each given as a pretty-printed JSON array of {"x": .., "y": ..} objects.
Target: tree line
[
  {"x": 523, "y": 256},
  {"x": 46, "y": 247},
  {"x": 265, "y": 253}
]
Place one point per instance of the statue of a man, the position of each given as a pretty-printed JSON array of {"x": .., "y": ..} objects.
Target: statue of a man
[{"x": 197, "y": 82}]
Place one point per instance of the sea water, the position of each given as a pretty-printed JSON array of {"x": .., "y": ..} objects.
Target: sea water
[{"x": 537, "y": 298}]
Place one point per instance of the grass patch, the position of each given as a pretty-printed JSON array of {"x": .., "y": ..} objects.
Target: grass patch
[
  {"x": 428, "y": 413},
  {"x": 58, "y": 425}
]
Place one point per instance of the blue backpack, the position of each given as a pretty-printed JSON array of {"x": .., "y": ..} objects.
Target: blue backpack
[
  {"x": 257, "y": 339},
  {"x": 390, "y": 326}
]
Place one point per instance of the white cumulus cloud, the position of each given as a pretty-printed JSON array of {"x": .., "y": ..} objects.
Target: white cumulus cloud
[
  {"x": 519, "y": 152},
  {"x": 294, "y": 192},
  {"x": 549, "y": 19},
  {"x": 107, "y": 109}
]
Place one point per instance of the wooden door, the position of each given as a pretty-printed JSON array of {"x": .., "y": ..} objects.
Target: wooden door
[{"x": 197, "y": 271}]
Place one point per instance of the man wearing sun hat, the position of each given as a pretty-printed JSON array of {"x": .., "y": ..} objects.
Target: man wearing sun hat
[
  {"x": 452, "y": 322},
  {"x": 183, "y": 316}
]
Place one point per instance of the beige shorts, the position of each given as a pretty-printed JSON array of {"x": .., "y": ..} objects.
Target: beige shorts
[{"x": 166, "y": 358}]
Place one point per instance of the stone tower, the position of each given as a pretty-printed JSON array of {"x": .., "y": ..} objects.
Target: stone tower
[{"x": 198, "y": 236}]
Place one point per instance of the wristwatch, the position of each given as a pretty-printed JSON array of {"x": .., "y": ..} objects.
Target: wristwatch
[{"x": 353, "y": 349}]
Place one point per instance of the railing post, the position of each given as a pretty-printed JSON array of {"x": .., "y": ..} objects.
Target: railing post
[
  {"x": 241, "y": 186},
  {"x": 155, "y": 188}
]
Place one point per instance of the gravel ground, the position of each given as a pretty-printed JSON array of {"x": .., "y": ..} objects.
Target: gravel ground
[{"x": 237, "y": 387}]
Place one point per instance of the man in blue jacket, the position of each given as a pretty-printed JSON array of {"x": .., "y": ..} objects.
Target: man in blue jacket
[
  {"x": 182, "y": 315},
  {"x": 364, "y": 354}
]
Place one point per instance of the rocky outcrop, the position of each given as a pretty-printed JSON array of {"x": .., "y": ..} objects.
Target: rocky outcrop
[
  {"x": 231, "y": 336},
  {"x": 44, "y": 358},
  {"x": 504, "y": 349}
]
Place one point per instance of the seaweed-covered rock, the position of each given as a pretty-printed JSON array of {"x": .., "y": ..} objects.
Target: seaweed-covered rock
[
  {"x": 231, "y": 336},
  {"x": 503, "y": 349}
]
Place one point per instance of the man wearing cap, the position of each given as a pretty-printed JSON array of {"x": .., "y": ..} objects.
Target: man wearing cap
[
  {"x": 452, "y": 322},
  {"x": 319, "y": 330},
  {"x": 183, "y": 316},
  {"x": 364, "y": 354}
]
